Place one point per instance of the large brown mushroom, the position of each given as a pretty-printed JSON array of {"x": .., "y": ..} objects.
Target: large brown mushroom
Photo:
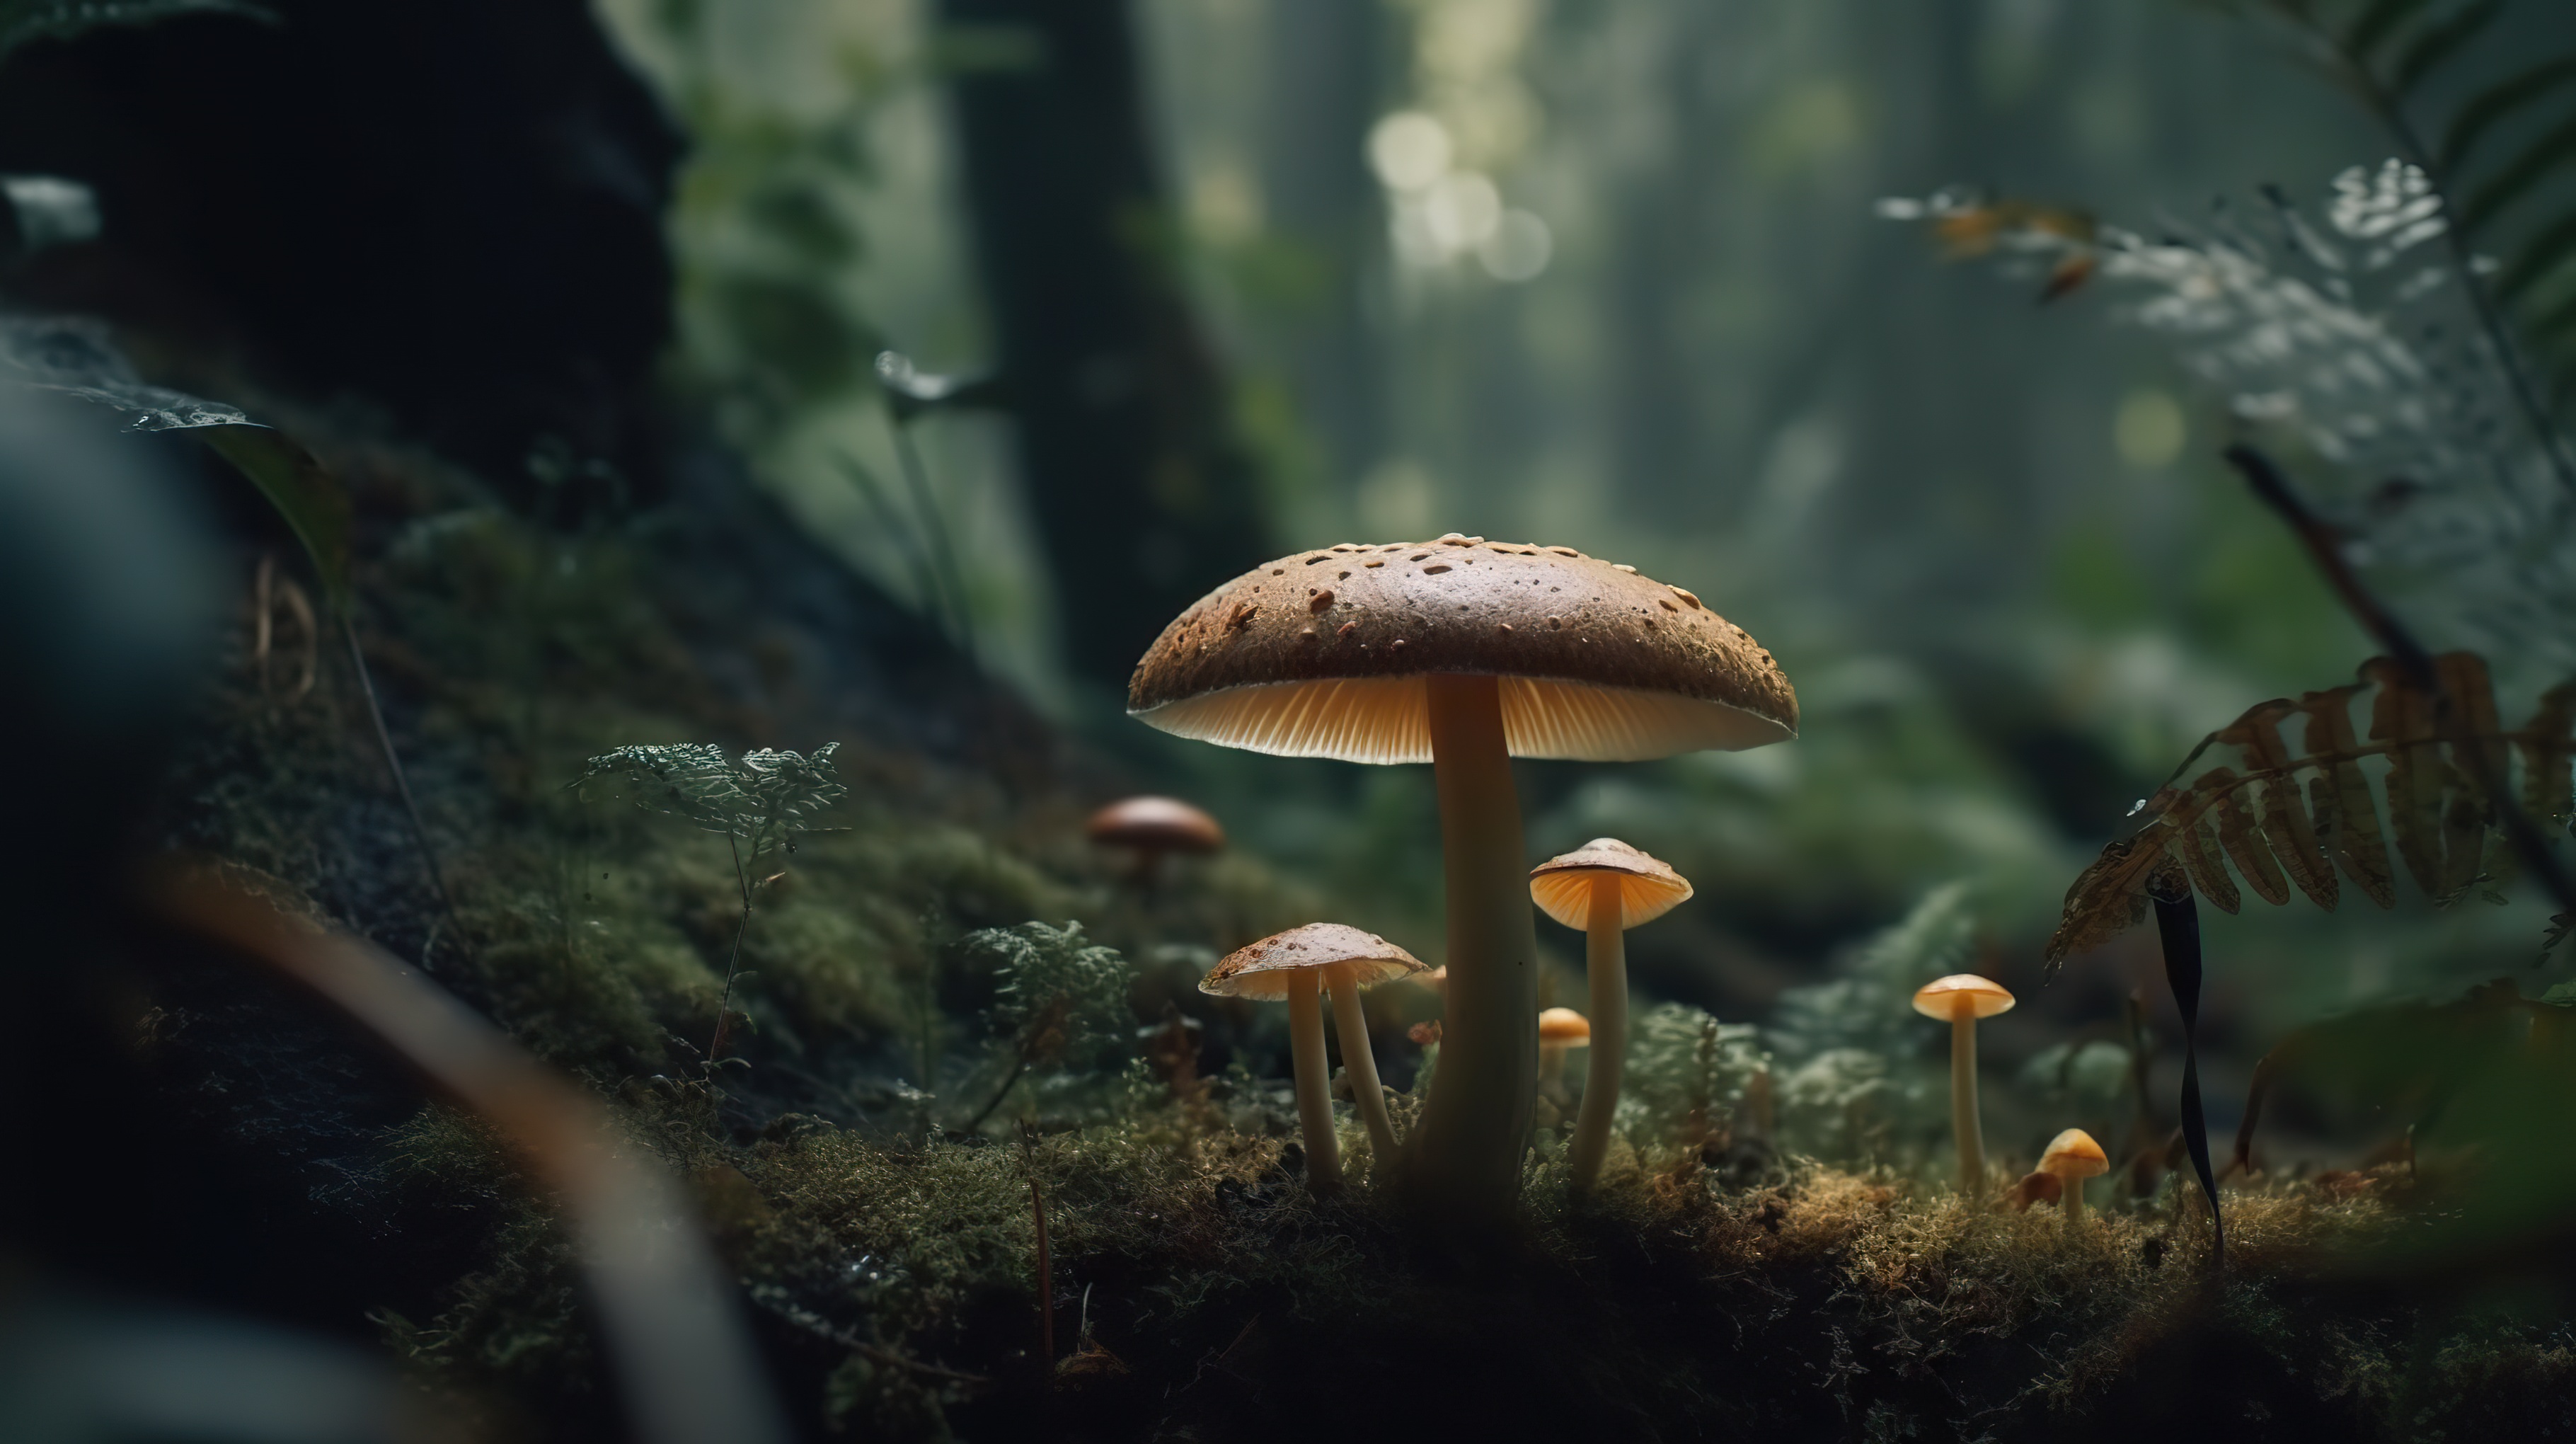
[
  {"x": 1295, "y": 967},
  {"x": 1150, "y": 828},
  {"x": 1465, "y": 653},
  {"x": 1604, "y": 887}
]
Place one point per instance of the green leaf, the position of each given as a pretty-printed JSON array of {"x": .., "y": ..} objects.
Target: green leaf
[
  {"x": 2377, "y": 23},
  {"x": 2547, "y": 152},
  {"x": 2439, "y": 43},
  {"x": 2493, "y": 105},
  {"x": 22, "y": 21},
  {"x": 304, "y": 494}
]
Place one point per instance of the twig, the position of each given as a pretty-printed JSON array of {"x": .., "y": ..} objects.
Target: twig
[
  {"x": 1046, "y": 1282},
  {"x": 916, "y": 563},
  {"x": 402, "y": 783},
  {"x": 1017, "y": 1069},
  {"x": 916, "y": 479},
  {"x": 733, "y": 956},
  {"x": 2325, "y": 547}
]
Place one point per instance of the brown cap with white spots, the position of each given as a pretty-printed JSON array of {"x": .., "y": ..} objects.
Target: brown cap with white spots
[
  {"x": 1321, "y": 654},
  {"x": 1261, "y": 970}
]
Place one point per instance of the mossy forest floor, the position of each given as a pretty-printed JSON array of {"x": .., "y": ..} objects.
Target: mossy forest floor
[{"x": 1198, "y": 1291}]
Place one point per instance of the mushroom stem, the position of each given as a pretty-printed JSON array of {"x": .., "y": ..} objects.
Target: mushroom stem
[
  {"x": 1466, "y": 1156},
  {"x": 1963, "y": 1102},
  {"x": 1314, "y": 1095},
  {"x": 1605, "y": 958},
  {"x": 1360, "y": 1062},
  {"x": 2072, "y": 1193}
]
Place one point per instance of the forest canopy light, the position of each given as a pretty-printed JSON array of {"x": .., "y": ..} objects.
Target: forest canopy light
[
  {"x": 1465, "y": 653},
  {"x": 1604, "y": 887},
  {"x": 1294, "y": 967}
]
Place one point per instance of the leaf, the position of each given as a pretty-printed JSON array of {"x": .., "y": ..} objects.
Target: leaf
[
  {"x": 307, "y": 496},
  {"x": 2548, "y": 744},
  {"x": 2497, "y": 103},
  {"x": 2285, "y": 821},
  {"x": 2378, "y": 23},
  {"x": 23, "y": 21},
  {"x": 2539, "y": 258},
  {"x": 2531, "y": 165},
  {"x": 2277, "y": 832},
  {"x": 2359, "y": 845},
  {"x": 2403, "y": 718},
  {"x": 2438, "y": 43},
  {"x": 2236, "y": 833}
]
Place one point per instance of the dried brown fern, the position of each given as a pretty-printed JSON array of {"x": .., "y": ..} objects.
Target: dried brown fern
[{"x": 2289, "y": 818}]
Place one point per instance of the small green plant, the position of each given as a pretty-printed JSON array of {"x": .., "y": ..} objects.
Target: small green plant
[
  {"x": 1062, "y": 1000},
  {"x": 1686, "y": 1071},
  {"x": 760, "y": 801}
]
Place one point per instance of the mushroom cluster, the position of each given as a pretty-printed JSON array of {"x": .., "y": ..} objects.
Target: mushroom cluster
[
  {"x": 1296, "y": 967},
  {"x": 1465, "y": 653}
]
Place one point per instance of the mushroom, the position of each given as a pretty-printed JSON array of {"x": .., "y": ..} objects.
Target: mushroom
[
  {"x": 1961, "y": 999},
  {"x": 2073, "y": 1157},
  {"x": 1296, "y": 966},
  {"x": 1150, "y": 827},
  {"x": 1464, "y": 654},
  {"x": 1558, "y": 1030},
  {"x": 1604, "y": 887}
]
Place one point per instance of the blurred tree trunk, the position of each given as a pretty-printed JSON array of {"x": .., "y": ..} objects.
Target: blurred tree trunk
[
  {"x": 1143, "y": 496},
  {"x": 1324, "y": 94}
]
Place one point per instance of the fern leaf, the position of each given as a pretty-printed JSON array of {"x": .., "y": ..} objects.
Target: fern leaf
[
  {"x": 2377, "y": 23},
  {"x": 2359, "y": 845},
  {"x": 2440, "y": 42},
  {"x": 2196, "y": 847},
  {"x": 2530, "y": 166},
  {"x": 2402, "y": 717},
  {"x": 2441, "y": 770},
  {"x": 2246, "y": 848},
  {"x": 2498, "y": 103},
  {"x": 2548, "y": 744},
  {"x": 2285, "y": 821}
]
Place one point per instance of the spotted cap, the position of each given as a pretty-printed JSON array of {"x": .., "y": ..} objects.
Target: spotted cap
[
  {"x": 1262, "y": 970},
  {"x": 1322, "y": 654}
]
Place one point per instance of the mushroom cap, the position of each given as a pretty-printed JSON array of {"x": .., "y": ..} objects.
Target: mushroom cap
[
  {"x": 1261, "y": 970},
  {"x": 1322, "y": 654},
  {"x": 1648, "y": 887},
  {"x": 1945, "y": 998},
  {"x": 2074, "y": 1154},
  {"x": 1563, "y": 1025},
  {"x": 1163, "y": 823}
]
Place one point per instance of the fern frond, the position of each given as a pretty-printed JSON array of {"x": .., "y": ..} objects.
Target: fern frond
[{"x": 2278, "y": 833}]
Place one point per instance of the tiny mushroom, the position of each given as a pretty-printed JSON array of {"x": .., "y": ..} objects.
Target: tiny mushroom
[
  {"x": 1151, "y": 827},
  {"x": 2073, "y": 1157},
  {"x": 1465, "y": 653},
  {"x": 1960, "y": 1000},
  {"x": 1558, "y": 1030},
  {"x": 1604, "y": 887},
  {"x": 1295, "y": 967}
]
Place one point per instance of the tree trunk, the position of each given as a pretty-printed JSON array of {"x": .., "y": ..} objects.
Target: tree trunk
[{"x": 1143, "y": 498}]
